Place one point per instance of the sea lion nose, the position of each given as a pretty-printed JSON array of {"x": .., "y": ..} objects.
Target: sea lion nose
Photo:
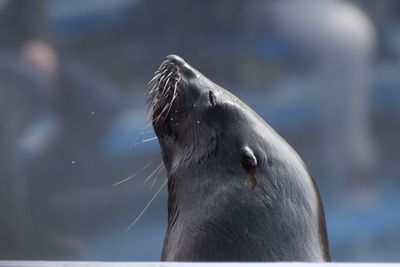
[
  {"x": 175, "y": 59},
  {"x": 185, "y": 69}
]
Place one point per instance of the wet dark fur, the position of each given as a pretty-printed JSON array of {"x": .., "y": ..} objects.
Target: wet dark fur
[{"x": 237, "y": 190}]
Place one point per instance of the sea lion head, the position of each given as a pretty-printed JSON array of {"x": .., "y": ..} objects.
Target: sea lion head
[
  {"x": 231, "y": 178},
  {"x": 191, "y": 114}
]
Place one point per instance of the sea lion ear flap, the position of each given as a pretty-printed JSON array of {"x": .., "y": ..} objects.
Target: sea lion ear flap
[{"x": 249, "y": 160}]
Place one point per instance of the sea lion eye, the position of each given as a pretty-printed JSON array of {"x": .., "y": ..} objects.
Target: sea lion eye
[
  {"x": 211, "y": 98},
  {"x": 249, "y": 160},
  {"x": 249, "y": 163}
]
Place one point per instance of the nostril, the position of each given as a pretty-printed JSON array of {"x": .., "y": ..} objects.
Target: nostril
[{"x": 211, "y": 98}]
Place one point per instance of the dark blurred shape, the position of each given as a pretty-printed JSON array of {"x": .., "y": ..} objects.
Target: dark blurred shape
[
  {"x": 22, "y": 21},
  {"x": 343, "y": 40},
  {"x": 22, "y": 100},
  {"x": 55, "y": 113}
]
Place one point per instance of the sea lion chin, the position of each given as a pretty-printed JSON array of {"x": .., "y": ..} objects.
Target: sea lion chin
[{"x": 236, "y": 190}]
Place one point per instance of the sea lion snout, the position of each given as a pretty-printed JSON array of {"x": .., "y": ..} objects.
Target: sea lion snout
[
  {"x": 178, "y": 64},
  {"x": 175, "y": 59}
]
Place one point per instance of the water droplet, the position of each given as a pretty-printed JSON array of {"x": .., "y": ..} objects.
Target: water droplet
[
  {"x": 73, "y": 162},
  {"x": 194, "y": 105},
  {"x": 198, "y": 122},
  {"x": 172, "y": 119},
  {"x": 92, "y": 112}
]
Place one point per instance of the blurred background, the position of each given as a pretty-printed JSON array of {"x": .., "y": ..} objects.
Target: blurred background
[{"x": 323, "y": 73}]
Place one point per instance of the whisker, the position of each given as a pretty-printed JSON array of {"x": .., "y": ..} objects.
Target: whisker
[
  {"x": 147, "y": 206},
  {"x": 149, "y": 139},
  {"x": 173, "y": 97},
  {"x": 158, "y": 174},
  {"x": 148, "y": 123},
  {"x": 164, "y": 70},
  {"x": 138, "y": 172},
  {"x": 161, "y": 113},
  {"x": 166, "y": 83},
  {"x": 160, "y": 70},
  {"x": 134, "y": 143},
  {"x": 169, "y": 75},
  {"x": 162, "y": 93},
  {"x": 152, "y": 80},
  {"x": 142, "y": 132},
  {"x": 157, "y": 169},
  {"x": 163, "y": 96},
  {"x": 165, "y": 76}
]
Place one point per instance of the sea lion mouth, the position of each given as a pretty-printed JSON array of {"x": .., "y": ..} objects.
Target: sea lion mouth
[{"x": 163, "y": 88}]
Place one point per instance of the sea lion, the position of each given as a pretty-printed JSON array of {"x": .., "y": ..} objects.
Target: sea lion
[{"x": 236, "y": 190}]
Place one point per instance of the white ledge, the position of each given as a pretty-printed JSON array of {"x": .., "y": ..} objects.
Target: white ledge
[{"x": 180, "y": 264}]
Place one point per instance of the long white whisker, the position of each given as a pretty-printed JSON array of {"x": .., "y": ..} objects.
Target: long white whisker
[
  {"x": 149, "y": 139},
  {"x": 147, "y": 206},
  {"x": 175, "y": 94},
  {"x": 156, "y": 170},
  {"x": 158, "y": 174},
  {"x": 161, "y": 113},
  {"x": 166, "y": 83},
  {"x": 136, "y": 173},
  {"x": 152, "y": 80}
]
